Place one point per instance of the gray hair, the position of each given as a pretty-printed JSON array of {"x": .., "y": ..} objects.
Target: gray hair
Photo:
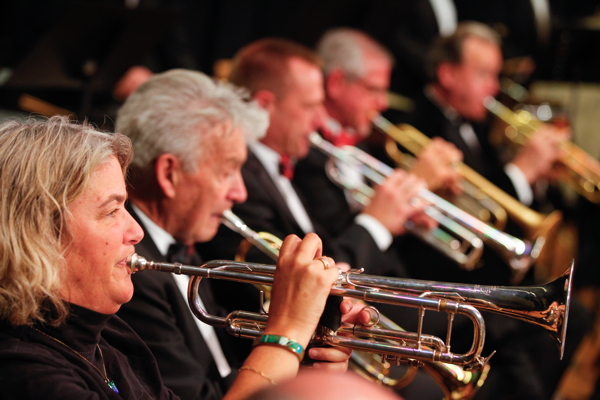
[
  {"x": 346, "y": 48},
  {"x": 173, "y": 111},
  {"x": 449, "y": 49}
]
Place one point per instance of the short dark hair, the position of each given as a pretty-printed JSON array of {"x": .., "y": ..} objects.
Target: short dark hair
[{"x": 449, "y": 49}]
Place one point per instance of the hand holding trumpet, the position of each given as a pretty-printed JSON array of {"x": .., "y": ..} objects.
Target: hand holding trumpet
[
  {"x": 303, "y": 280},
  {"x": 395, "y": 201},
  {"x": 541, "y": 151},
  {"x": 436, "y": 164},
  {"x": 300, "y": 288}
]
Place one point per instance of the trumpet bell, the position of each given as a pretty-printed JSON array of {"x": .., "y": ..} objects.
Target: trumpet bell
[
  {"x": 580, "y": 171},
  {"x": 544, "y": 305}
]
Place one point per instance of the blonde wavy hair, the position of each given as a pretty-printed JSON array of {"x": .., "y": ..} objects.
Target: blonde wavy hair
[{"x": 44, "y": 166}]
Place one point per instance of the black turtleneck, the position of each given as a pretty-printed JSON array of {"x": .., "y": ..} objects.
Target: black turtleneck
[{"x": 34, "y": 365}]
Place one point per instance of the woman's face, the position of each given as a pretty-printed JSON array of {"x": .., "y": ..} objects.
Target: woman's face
[{"x": 102, "y": 237}]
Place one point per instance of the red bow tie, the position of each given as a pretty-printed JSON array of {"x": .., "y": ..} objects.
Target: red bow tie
[
  {"x": 286, "y": 167},
  {"x": 342, "y": 138}
]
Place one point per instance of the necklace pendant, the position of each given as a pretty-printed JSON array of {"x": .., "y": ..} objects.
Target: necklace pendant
[{"x": 111, "y": 384}]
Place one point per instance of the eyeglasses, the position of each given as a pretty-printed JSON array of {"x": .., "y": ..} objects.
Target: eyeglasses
[{"x": 372, "y": 89}]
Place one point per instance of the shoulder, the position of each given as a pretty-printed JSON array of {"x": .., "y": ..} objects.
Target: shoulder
[
  {"x": 16, "y": 349},
  {"x": 30, "y": 370}
]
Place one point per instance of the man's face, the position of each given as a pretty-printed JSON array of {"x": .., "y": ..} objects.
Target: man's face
[
  {"x": 204, "y": 194},
  {"x": 475, "y": 78},
  {"x": 355, "y": 102},
  {"x": 297, "y": 112}
]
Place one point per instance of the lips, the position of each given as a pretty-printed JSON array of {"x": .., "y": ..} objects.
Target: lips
[{"x": 123, "y": 263}]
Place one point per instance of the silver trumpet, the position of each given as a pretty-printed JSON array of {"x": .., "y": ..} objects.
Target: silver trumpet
[
  {"x": 464, "y": 227},
  {"x": 543, "y": 305}
]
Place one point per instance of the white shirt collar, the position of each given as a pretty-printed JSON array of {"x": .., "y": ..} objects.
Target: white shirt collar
[
  {"x": 161, "y": 238},
  {"x": 268, "y": 157}
]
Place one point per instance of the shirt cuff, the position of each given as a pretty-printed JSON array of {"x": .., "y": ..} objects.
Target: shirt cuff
[
  {"x": 382, "y": 237},
  {"x": 522, "y": 187}
]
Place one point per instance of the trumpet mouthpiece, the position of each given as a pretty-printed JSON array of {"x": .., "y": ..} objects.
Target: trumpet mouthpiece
[{"x": 136, "y": 263}]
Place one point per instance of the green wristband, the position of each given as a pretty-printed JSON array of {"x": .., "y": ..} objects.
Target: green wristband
[{"x": 282, "y": 341}]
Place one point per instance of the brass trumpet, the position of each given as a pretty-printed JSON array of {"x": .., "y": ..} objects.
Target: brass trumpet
[
  {"x": 455, "y": 381},
  {"x": 537, "y": 226},
  {"x": 472, "y": 200},
  {"x": 581, "y": 172},
  {"x": 520, "y": 254}
]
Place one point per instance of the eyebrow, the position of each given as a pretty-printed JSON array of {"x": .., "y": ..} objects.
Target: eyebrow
[{"x": 113, "y": 198}]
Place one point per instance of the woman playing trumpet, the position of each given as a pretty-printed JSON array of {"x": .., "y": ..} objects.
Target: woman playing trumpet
[{"x": 66, "y": 237}]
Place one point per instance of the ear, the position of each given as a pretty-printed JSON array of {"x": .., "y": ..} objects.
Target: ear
[
  {"x": 168, "y": 174},
  {"x": 335, "y": 82},
  {"x": 265, "y": 99},
  {"x": 445, "y": 75}
]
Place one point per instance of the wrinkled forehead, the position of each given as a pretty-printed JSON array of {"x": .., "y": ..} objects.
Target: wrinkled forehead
[{"x": 224, "y": 137}]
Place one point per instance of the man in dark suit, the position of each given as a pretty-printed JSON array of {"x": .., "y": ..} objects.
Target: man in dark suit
[
  {"x": 356, "y": 80},
  {"x": 189, "y": 136},
  {"x": 464, "y": 69},
  {"x": 176, "y": 195},
  {"x": 285, "y": 79}
]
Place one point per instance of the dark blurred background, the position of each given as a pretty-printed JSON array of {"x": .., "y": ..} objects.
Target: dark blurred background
[{"x": 70, "y": 54}]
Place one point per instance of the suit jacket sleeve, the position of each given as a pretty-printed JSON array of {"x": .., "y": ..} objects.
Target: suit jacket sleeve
[
  {"x": 152, "y": 315},
  {"x": 161, "y": 317}
]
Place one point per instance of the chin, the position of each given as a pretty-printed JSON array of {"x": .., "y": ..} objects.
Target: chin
[
  {"x": 124, "y": 297},
  {"x": 301, "y": 153},
  {"x": 207, "y": 235},
  {"x": 364, "y": 131}
]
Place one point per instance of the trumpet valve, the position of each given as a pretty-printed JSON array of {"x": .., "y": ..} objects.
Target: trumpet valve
[{"x": 415, "y": 363}]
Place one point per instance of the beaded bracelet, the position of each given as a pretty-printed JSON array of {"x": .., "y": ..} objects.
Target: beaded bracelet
[{"x": 282, "y": 341}]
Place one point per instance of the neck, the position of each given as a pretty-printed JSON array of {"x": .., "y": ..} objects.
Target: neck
[
  {"x": 156, "y": 211},
  {"x": 334, "y": 113},
  {"x": 274, "y": 144},
  {"x": 440, "y": 95}
]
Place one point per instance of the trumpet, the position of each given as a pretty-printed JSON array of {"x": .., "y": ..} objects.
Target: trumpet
[
  {"x": 471, "y": 200},
  {"x": 455, "y": 381},
  {"x": 520, "y": 254},
  {"x": 543, "y": 305},
  {"x": 537, "y": 226},
  {"x": 581, "y": 172},
  {"x": 450, "y": 238}
]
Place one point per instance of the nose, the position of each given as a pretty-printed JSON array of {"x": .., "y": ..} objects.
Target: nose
[
  {"x": 238, "y": 192},
  {"x": 320, "y": 118},
  {"x": 382, "y": 101},
  {"x": 133, "y": 233},
  {"x": 494, "y": 86}
]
